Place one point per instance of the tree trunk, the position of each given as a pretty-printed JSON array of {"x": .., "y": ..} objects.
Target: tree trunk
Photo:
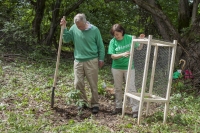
[
  {"x": 54, "y": 23},
  {"x": 183, "y": 15},
  {"x": 155, "y": 11},
  {"x": 39, "y": 13},
  {"x": 195, "y": 10},
  {"x": 159, "y": 23}
]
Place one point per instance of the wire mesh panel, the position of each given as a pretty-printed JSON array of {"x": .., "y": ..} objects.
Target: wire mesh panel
[
  {"x": 153, "y": 73},
  {"x": 161, "y": 71}
]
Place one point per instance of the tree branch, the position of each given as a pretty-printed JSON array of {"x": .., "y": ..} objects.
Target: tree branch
[
  {"x": 158, "y": 21},
  {"x": 75, "y": 6},
  {"x": 157, "y": 12}
]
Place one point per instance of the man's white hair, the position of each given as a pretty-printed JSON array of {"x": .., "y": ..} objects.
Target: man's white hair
[{"x": 80, "y": 17}]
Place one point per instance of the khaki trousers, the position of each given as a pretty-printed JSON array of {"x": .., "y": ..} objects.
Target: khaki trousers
[
  {"x": 88, "y": 69},
  {"x": 118, "y": 76}
]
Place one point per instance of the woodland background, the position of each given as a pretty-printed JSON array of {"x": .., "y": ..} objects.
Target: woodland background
[
  {"x": 29, "y": 25},
  {"x": 29, "y": 37}
]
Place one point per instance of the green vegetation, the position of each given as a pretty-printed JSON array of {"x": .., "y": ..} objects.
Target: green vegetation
[
  {"x": 25, "y": 103},
  {"x": 29, "y": 32}
]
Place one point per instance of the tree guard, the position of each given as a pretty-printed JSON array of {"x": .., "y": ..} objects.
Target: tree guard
[{"x": 153, "y": 81}]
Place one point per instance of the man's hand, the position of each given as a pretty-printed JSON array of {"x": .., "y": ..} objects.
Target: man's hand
[
  {"x": 63, "y": 22},
  {"x": 101, "y": 63}
]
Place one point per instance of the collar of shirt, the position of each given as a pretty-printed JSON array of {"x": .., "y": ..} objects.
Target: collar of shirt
[{"x": 89, "y": 25}]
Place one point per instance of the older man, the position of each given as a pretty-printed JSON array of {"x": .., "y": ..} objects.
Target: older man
[{"x": 89, "y": 55}]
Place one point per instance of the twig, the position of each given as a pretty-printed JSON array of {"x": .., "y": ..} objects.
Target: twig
[
  {"x": 184, "y": 50},
  {"x": 8, "y": 55}
]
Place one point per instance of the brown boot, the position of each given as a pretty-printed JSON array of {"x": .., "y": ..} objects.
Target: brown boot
[{"x": 117, "y": 111}]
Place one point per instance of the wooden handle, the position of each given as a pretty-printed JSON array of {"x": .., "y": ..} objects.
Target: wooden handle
[{"x": 58, "y": 56}]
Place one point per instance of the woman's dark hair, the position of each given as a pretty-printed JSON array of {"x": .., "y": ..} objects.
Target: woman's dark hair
[{"x": 118, "y": 28}]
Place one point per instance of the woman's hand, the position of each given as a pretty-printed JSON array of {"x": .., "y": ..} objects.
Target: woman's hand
[
  {"x": 141, "y": 45},
  {"x": 142, "y": 36},
  {"x": 126, "y": 54}
]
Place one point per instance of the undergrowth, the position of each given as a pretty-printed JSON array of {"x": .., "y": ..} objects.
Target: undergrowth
[{"x": 25, "y": 88}]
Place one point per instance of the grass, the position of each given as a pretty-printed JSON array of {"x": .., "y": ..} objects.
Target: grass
[{"x": 25, "y": 88}]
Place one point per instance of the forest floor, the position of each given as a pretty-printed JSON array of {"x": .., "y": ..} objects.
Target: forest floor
[
  {"x": 103, "y": 117},
  {"x": 25, "y": 89}
]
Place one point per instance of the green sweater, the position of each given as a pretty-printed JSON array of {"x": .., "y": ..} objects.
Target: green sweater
[
  {"x": 121, "y": 46},
  {"x": 88, "y": 43}
]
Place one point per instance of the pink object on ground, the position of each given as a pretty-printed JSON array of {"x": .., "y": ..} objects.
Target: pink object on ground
[{"x": 188, "y": 74}]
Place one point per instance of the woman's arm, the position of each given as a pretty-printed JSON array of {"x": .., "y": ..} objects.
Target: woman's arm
[
  {"x": 141, "y": 45},
  {"x": 117, "y": 56}
]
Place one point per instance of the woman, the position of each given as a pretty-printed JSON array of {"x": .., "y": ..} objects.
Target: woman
[{"x": 119, "y": 48}]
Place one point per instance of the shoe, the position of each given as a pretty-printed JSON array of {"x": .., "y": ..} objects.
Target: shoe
[
  {"x": 135, "y": 114},
  {"x": 117, "y": 111},
  {"x": 95, "y": 110}
]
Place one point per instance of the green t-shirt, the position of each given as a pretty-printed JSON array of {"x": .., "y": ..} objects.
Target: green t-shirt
[
  {"x": 121, "y": 46},
  {"x": 88, "y": 44}
]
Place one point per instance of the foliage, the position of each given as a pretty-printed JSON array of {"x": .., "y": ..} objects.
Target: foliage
[
  {"x": 100, "y": 13},
  {"x": 101, "y": 90},
  {"x": 25, "y": 84},
  {"x": 172, "y": 11},
  {"x": 14, "y": 36},
  {"x": 104, "y": 15},
  {"x": 181, "y": 85},
  {"x": 87, "y": 126},
  {"x": 73, "y": 97},
  {"x": 96, "y": 12}
]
